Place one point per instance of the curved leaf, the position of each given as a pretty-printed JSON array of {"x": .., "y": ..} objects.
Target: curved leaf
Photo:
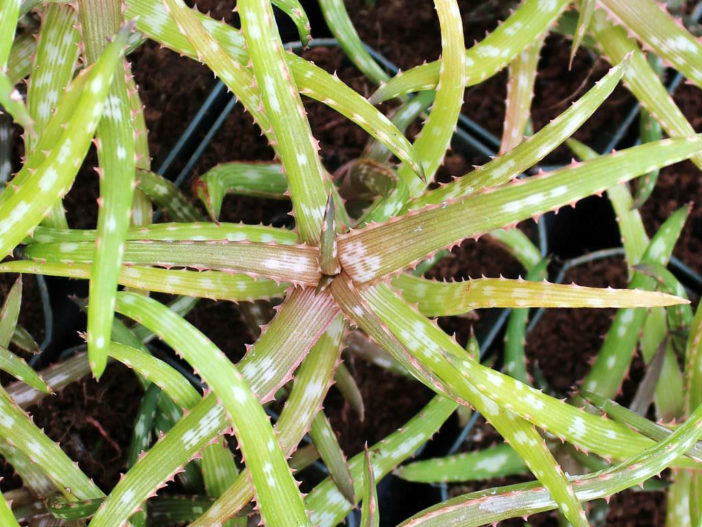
[
  {"x": 375, "y": 251},
  {"x": 438, "y": 299}
]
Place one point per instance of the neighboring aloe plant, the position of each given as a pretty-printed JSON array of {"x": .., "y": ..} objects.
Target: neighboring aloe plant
[{"x": 336, "y": 268}]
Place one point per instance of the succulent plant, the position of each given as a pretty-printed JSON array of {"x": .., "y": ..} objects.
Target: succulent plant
[{"x": 337, "y": 269}]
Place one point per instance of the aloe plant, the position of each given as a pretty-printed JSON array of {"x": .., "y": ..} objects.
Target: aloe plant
[{"x": 336, "y": 268}]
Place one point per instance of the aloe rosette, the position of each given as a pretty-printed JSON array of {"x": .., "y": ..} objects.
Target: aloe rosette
[{"x": 337, "y": 267}]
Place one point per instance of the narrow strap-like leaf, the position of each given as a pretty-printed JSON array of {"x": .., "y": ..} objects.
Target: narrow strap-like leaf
[
  {"x": 506, "y": 167},
  {"x": 57, "y": 376},
  {"x": 24, "y": 340},
  {"x": 117, "y": 163},
  {"x": 17, "y": 427},
  {"x": 281, "y": 262},
  {"x": 296, "y": 12},
  {"x": 167, "y": 196},
  {"x": 585, "y": 10},
  {"x": 143, "y": 424},
  {"x": 494, "y": 462},
  {"x": 640, "y": 77},
  {"x": 295, "y": 144},
  {"x": 445, "y": 358},
  {"x": 54, "y": 65},
  {"x": 453, "y": 298},
  {"x": 12, "y": 102},
  {"x": 170, "y": 232},
  {"x": 266, "y": 180},
  {"x": 435, "y": 137},
  {"x": 370, "y": 516},
  {"x": 349, "y": 390},
  {"x": 520, "y": 91},
  {"x": 276, "y": 492},
  {"x": 339, "y": 23},
  {"x": 423, "y": 343},
  {"x": 375, "y": 251},
  {"x": 220, "y": 472},
  {"x": 9, "y": 14},
  {"x": 311, "y": 80},
  {"x": 519, "y": 245},
  {"x": 328, "y": 506},
  {"x": 6, "y": 516},
  {"x": 215, "y": 285},
  {"x": 10, "y": 312},
  {"x": 158, "y": 372},
  {"x": 615, "y": 356},
  {"x": 19, "y": 63},
  {"x": 515, "y": 333},
  {"x": 302, "y": 405},
  {"x": 657, "y": 29},
  {"x": 489, "y": 56},
  {"x": 329, "y": 450},
  {"x": 493, "y": 505},
  {"x": 26, "y": 206},
  {"x": 18, "y": 368}
]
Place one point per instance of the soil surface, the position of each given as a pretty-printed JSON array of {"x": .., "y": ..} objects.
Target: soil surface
[{"x": 92, "y": 421}]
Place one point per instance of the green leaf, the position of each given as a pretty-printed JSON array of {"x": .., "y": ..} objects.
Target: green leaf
[
  {"x": 10, "y": 312},
  {"x": 220, "y": 472},
  {"x": 296, "y": 264},
  {"x": 54, "y": 65},
  {"x": 170, "y": 380},
  {"x": 515, "y": 363},
  {"x": 26, "y": 205},
  {"x": 24, "y": 341},
  {"x": 19, "y": 63},
  {"x": 296, "y": 12},
  {"x": 520, "y": 91},
  {"x": 346, "y": 384},
  {"x": 266, "y": 180},
  {"x": 9, "y": 14},
  {"x": 641, "y": 79},
  {"x": 143, "y": 424},
  {"x": 586, "y": 8},
  {"x": 370, "y": 516},
  {"x": 453, "y": 298},
  {"x": 615, "y": 356},
  {"x": 375, "y": 251},
  {"x": 493, "y": 505},
  {"x": 57, "y": 376},
  {"x": 18, "y": 368},
  {"x": 277, "y": 494},
  {"x": 328, "y": 506},
  {"x": 281, "y": 101},
  {"x": 17, "y": 427},
  {"x": 659, "y": 31},
  {"x": 170, "y": 232},
  {"x": 448, "y": 361},
  {"x": 167, "y": 196},
  {"x": 311, "y": 80},
  {"x": 269, "y": 364},
  {"x": 493, "y": 53},
  {"x": 215, "y": 285},
  {"x": 308, "y": 392},
  {"x": 506, "y": 167},
  {"x": 327, "y": 445},
  {"x": 435, "y": 137},
  {"x": 340, "y": 25},
  {"x": 494, "y": 462}
]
